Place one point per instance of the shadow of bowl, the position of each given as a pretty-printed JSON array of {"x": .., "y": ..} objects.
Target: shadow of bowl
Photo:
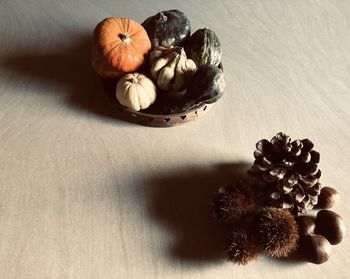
[
  {"x": 179, "y": 200},
  {"x": 62, "y": 71}
]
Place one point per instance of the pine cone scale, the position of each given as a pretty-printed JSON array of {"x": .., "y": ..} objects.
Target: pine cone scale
[
  {"x": 306, "y": 168},
  {"x": 307, "y": 144},
  {"x": 264, "y": 146},
  {"x": 315, "y": 156}
]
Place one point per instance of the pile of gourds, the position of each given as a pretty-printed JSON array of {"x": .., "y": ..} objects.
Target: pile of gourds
[{"x": 157, "y": 57}]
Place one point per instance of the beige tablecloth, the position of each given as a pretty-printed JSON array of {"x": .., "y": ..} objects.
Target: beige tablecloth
[{"x": 84, "y": 194}]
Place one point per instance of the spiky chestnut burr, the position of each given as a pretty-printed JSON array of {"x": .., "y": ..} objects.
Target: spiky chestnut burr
[
  {"x": 241, "y": 248},
  {"x": 276, "y": 231},
  {"x": 231, "y": 203}
]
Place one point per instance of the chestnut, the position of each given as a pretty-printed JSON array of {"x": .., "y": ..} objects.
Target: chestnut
[
  {"x": 330, "y": 225},
  {"x": 315, "y": 248},
  {"x": 327, "y": 198},
  {"x": 306, "y": 225}
]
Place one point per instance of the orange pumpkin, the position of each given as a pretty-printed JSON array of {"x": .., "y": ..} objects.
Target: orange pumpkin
[{"x": 119, "y": 46}]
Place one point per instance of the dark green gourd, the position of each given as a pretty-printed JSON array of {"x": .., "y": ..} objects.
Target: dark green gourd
[
  {"x": 204, "y": 47},
  {"x": 168, "y": 28},
  {"x": 207, "y": 85}
]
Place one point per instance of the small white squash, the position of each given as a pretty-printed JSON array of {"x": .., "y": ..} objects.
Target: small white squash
[
  {"x": 171, "y": 70},
  {"x": 136, "y": 91}
]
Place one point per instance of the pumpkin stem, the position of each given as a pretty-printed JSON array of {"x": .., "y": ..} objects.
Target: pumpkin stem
[
  {"x": 163, "y": 17},
  {"x": 125, "y": 38},
  {"x": 178, "y": 49},
  {"x": 134, "y": 79}
]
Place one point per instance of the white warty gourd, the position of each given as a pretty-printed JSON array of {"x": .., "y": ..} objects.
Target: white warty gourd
[
  {"x": 136, "y": 91},
  {"x": 171, "y": 69}
]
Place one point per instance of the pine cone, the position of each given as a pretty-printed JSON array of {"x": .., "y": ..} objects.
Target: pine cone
[{"x": 290, "y": 171}]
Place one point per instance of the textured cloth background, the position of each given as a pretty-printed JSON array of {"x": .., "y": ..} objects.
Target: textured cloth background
[{"x": 84, "y": 194}]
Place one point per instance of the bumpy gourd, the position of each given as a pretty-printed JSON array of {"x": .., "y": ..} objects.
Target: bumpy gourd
[
  {"x": 171, "y": 70},
  {"x": 204, "y": 47},
  {"x": 119, "y": 46},
  {"x": 167, "y": 28},
  {"x": 207, "y": 85},
  {"x": 135, "y": 91}
]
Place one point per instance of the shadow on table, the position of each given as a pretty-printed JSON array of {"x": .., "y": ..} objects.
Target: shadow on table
[
  {"x": 67, "y": 71},
  {"x": 179, "y": 200}
]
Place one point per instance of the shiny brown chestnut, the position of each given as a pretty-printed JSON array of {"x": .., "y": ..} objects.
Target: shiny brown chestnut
[
  {"x": 306, "y": 225},
  {"x": 330, "y": 225},
  {"x": 315, "y": 248},
  {"x": 327, "y": 198}
]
